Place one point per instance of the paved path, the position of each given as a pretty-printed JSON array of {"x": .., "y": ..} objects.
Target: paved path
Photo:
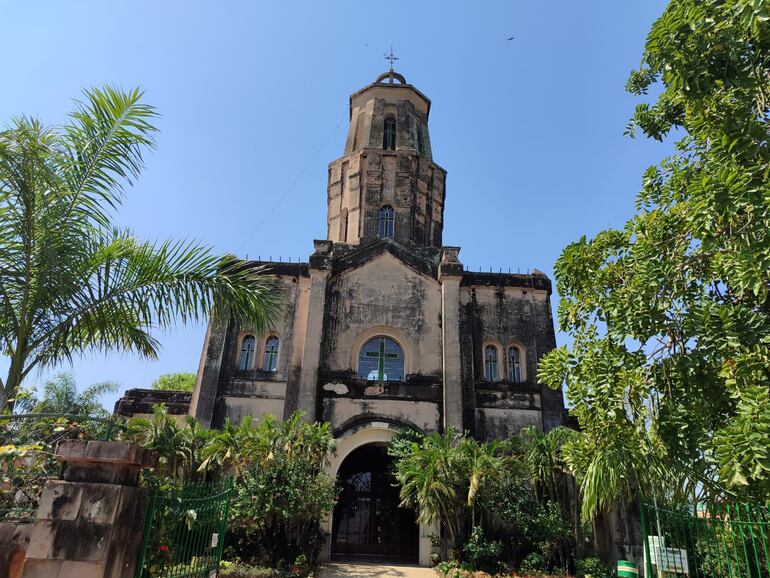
[{"x": 364, "y": 570}]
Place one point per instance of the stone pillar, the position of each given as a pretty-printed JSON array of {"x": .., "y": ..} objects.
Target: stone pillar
[
  {"x": 90, "y": 524},
  {"x": 207, "y": 381},
  {"x": 14, "y": 539},
  {"x": 320, "y": 265},
  {"x": 450, "y": 275}
]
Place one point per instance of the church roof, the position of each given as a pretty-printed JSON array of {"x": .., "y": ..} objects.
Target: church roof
[{"x": 401, "y": 86}]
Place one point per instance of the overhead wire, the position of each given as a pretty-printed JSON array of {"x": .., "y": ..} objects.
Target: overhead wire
[{"x": 289, "y": 189}]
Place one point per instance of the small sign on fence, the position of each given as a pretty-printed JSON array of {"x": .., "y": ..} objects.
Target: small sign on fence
[{"x": 667, "y": 559}]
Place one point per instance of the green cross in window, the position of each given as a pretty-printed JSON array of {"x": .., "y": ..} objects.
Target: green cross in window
[{"x": 381, "y": 355}]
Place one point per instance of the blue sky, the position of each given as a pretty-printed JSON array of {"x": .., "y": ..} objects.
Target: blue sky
[{"x": 254, "y": 104}]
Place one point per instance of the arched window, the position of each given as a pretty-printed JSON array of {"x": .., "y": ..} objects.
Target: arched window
[
  {"x": 247, "y": 352},
  {"x": 389, "y": 135},
  {"x": 490, "y": 363},
  {"x": 270, "y": 362},
  {"x": 514, "y": 365},
  {"x": 381, "y": 359},
  {"x": 387, "y": 221}
]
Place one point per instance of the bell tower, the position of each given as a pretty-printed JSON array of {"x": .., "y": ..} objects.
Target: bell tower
[{"x": 386, "y": 185}]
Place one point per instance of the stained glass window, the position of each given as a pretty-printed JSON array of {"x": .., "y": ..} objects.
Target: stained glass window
[
  {"x": 514, "y": 365},
  {"x": 381, "y": 359},
  {"x": 490, "y": 363},
  {"x": 387, "y": 220},
  {"x": 270, "y": 362},
  {"x": 247, "y": 352}
]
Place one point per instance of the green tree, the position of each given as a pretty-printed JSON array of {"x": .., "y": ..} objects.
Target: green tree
[
  {"x": 72, "y": 283},
  {"x": 282, "y": 492},
  {"x": 236, "y": 447},
  {"x": 61, "y": 396},
  {"x": 669, "y": 371},
  {"x": 442, "y": 477},
  {"x": 175, "y": 382},
  {"x": 545, "y": 457},
  {"x": 178, "y": 441}
]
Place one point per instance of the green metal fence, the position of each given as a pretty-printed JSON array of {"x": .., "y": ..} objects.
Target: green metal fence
[
  {"x": 184, "y": 531},
  {"x": 714, "y": 541},
  {"x": 27, "y": 445}
]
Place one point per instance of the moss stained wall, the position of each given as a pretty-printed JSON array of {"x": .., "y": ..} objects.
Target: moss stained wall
[
  {"x": 386, "y": 293},
  {"x": 497, "y": 313}
]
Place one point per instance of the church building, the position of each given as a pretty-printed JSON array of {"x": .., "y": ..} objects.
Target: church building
[{"x": 384, "y": 328}]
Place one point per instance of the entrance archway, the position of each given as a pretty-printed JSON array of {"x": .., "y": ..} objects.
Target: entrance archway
[{"x": 367, "y": 521}]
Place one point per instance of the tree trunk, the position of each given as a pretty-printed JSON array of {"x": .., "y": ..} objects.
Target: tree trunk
[{"x": 12, "y": 384}]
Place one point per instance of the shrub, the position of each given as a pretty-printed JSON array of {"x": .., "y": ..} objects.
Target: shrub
[
  {"x": 592, "y": 567},
  {"x": 241, "y": 570},
  {"x": 442, "y": 476},
  {"x": 533, "y": 564},
  {"x": 449, "y": 568},
  {"x": 277, "y": 511},
  {"x": 480, "y": 553},
  {"x": 527, "y": 524}
]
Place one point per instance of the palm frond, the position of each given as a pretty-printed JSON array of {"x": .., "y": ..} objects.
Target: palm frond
[
  {"x": 128, "y": 287},
  {"x": 106, "y": 137}
]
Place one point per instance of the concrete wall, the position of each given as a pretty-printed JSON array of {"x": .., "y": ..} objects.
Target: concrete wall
[
  {"x": 253, "y": 391},
  {"x": 504, "y": 310},
  {"x": 423, "y": 415},
  {"x": 14, "y": 539},
  {"x": 362, "y": 183},
  {"x": 90, "y": 524},
  {"x": 383, "y": 297}
]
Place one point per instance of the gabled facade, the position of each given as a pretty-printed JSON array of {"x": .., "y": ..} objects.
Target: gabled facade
[{"x": 385, "y": 329}]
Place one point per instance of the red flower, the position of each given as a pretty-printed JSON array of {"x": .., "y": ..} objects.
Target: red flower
[{"x": 164, "y": 548}]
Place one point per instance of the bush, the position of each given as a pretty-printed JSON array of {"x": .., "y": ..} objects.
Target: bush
[
  {"x": 277, "y": 511},
  {"x": 241, "y": 570},
  {"x": 526, "y": 524},
  {"x": 480, "y": 553},
  {"x": 592, "y": 567},
  {"x": 447, "y": 566},
  {"x": 533, "y": 564}
]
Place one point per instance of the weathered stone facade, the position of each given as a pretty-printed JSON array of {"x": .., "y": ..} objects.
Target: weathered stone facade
[{"x": 469, "y": 342}]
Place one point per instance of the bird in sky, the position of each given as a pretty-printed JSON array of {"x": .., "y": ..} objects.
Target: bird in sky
[{"x": 511, "y": 38}]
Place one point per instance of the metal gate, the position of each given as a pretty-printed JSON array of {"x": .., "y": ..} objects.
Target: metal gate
[
  {"x": 730, "y": 540},
  {"x": 184, "y": 531},
  {"x": 367, "y": 520}
]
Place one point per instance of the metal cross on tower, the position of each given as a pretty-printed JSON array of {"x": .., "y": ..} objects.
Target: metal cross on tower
[{"x": 391, "y": 58}]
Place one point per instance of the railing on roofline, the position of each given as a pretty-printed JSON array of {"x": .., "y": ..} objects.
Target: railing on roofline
[{"x": 27, "y": 446}]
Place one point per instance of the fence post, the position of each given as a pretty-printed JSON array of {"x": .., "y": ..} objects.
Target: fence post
[
  {"x": 89, "y": 524},
  {"x": 645, "y": 537},
  {"x": 146, "y": 532}
]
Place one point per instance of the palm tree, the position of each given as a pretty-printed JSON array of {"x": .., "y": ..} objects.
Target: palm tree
[
  {"x": 236, "y": 447},
  {"x": 483, "y": 465},
  {"x": 61, "y": 397},
  {"x": 179, "y": 443},
  {"x": 231, "y": 448},
  {"x": 434, "y": 479},
  {"x": 544, "y": 453},
  {"x": 70, "y": 283}
]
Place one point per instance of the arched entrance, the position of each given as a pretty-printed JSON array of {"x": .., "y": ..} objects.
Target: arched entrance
[{"x": 367, "y": 521}]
